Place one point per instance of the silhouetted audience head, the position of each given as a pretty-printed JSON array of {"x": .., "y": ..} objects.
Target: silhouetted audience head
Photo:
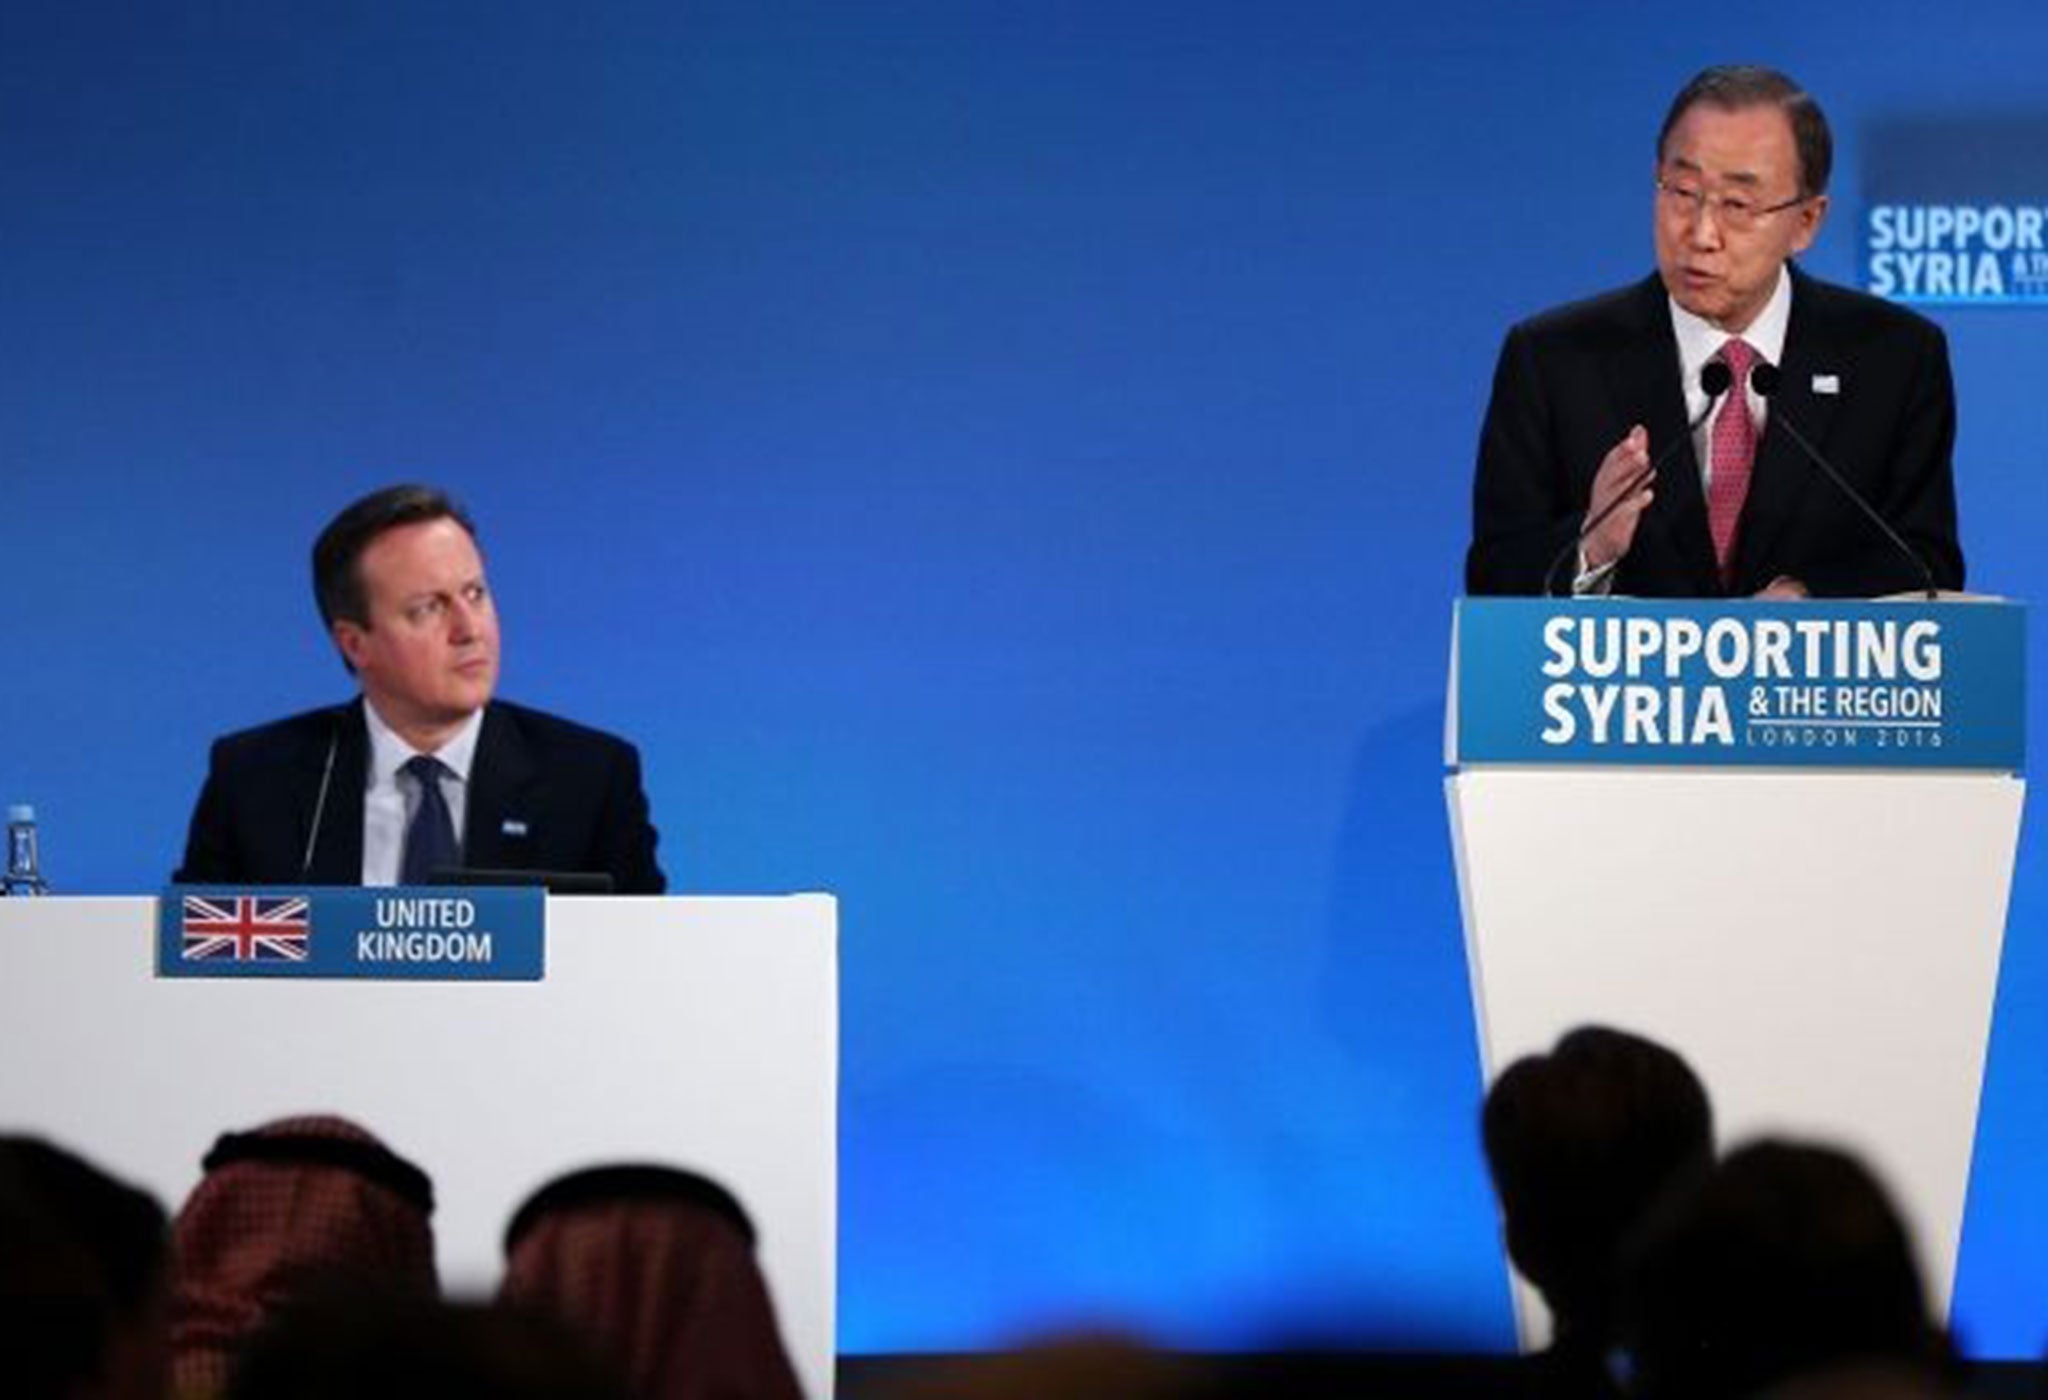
[
  {"x": 1866, "y": 1380},
  {"x": 1786, "y": 1260},
  {"x": 392, "y": 1349},
  {"x": 81, "y": 1279},
  {"x": 1099, "y": 1365},
  {"x": 654, "y": 1268},
  {"x": 1580, "y": 1142},
  {"x": 298, "y": 1208}
]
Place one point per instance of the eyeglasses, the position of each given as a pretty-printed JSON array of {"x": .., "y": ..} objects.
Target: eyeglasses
[{"x": 1733, "y": 212}]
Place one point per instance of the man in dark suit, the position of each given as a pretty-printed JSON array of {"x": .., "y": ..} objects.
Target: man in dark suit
[
  {"x": 427, "y": 771},
  {"x": 1587, "y": 395}
]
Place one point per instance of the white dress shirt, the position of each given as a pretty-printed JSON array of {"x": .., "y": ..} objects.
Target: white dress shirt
[
  {"x": 1699, "y": 340},
  {"x": 392, "y": 796}
]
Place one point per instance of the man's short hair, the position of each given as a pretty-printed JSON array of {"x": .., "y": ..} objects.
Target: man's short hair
[
  {"x": 338, "y": 553},
  {"x": 1732, "y": 87},
  {"x": 1580, "y": 1142},
  {"x": 82, "y": 1263},
  {"x": 1787, "y": 1258}
]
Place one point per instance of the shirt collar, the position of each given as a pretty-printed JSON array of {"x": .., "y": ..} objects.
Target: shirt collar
[
  {"x": 389, "y": 753},
  {"x": 1699, "y": 340}
]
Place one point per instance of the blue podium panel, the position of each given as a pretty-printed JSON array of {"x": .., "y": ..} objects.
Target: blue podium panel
[
  {"x": 1806, "y": 684},
  {"x": 421, "y": 933}
]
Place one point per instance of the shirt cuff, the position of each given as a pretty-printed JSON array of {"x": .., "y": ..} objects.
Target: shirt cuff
[{"x": 1595, "y": 582}]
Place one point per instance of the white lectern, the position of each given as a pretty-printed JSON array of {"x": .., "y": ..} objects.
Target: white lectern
[
  {"x": 1777, "y": 838},
  {"x": 702, "y": 1032}
]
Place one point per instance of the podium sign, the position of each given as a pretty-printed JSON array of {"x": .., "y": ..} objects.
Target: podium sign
[
  {"x": 420, "y": 933},
  {"x": 1808, "y": 684}
]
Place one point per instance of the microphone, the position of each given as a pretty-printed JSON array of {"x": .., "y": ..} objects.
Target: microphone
[
  {"x": 320, "y": 802},
  {"x": 1766, "y": 379},
  {"x": 1714, "y": 381}
]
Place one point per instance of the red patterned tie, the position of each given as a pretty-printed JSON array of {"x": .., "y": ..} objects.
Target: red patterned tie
[{"x": 1732, "y": 452}]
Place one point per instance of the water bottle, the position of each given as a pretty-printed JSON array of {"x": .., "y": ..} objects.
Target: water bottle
[{"x": 24, "y": 866}]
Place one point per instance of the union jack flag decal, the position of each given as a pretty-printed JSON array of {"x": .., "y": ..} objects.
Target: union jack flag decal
[{"x": 246, "y": 928}]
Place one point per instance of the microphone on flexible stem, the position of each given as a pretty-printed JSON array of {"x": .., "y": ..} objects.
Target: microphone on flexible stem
[
  {"x": 1714, "y": 381},
  {"x": 320, "y": 802},
  {"x": 1766, "y": 379}
]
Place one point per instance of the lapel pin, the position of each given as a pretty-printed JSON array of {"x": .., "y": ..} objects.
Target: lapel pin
[
  {"x": 1827, "y": 384},
  {"x": 512, "y": 826}
]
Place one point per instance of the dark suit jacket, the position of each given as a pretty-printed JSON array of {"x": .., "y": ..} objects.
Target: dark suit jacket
[
  {"x": 545, "y": 794},
  {"x": 1573, "y": 381}
]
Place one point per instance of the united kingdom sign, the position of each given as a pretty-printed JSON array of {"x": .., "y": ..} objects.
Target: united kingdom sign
[{"x": 420, "y": 933}]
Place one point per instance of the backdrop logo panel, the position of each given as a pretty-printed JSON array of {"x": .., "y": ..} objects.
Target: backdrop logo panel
[
  {"x": 1857, "y": 685},
  {"x": 1956, "y": 212},
  {"x": 1994, "y": 254}
]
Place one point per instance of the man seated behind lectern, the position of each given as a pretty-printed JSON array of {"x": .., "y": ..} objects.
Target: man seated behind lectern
[
  {"x": 426, "y": 771},
  {"x": 1588, "y": 397}
]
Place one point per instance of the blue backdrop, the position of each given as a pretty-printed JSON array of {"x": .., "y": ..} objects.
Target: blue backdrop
[{"x": 1005, "y": 463}]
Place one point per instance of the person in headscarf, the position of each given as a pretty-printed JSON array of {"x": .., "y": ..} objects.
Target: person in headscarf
[
  {"x": 299, "y": 1208},
  {"x": 654, "y": 1268}
]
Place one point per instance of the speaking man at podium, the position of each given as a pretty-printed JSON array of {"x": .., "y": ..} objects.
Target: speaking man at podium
[
  {"x": 1648, "y": 441},
  {"x": 425, "y": 771}
]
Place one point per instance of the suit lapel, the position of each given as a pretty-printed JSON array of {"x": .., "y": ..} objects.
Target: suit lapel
[
  {"x": 1782, "y": 476},
  {"x": 1643, "y": 375},
  {"x": 338, "y": 852},
  {"x": 497, "y": 830}
]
